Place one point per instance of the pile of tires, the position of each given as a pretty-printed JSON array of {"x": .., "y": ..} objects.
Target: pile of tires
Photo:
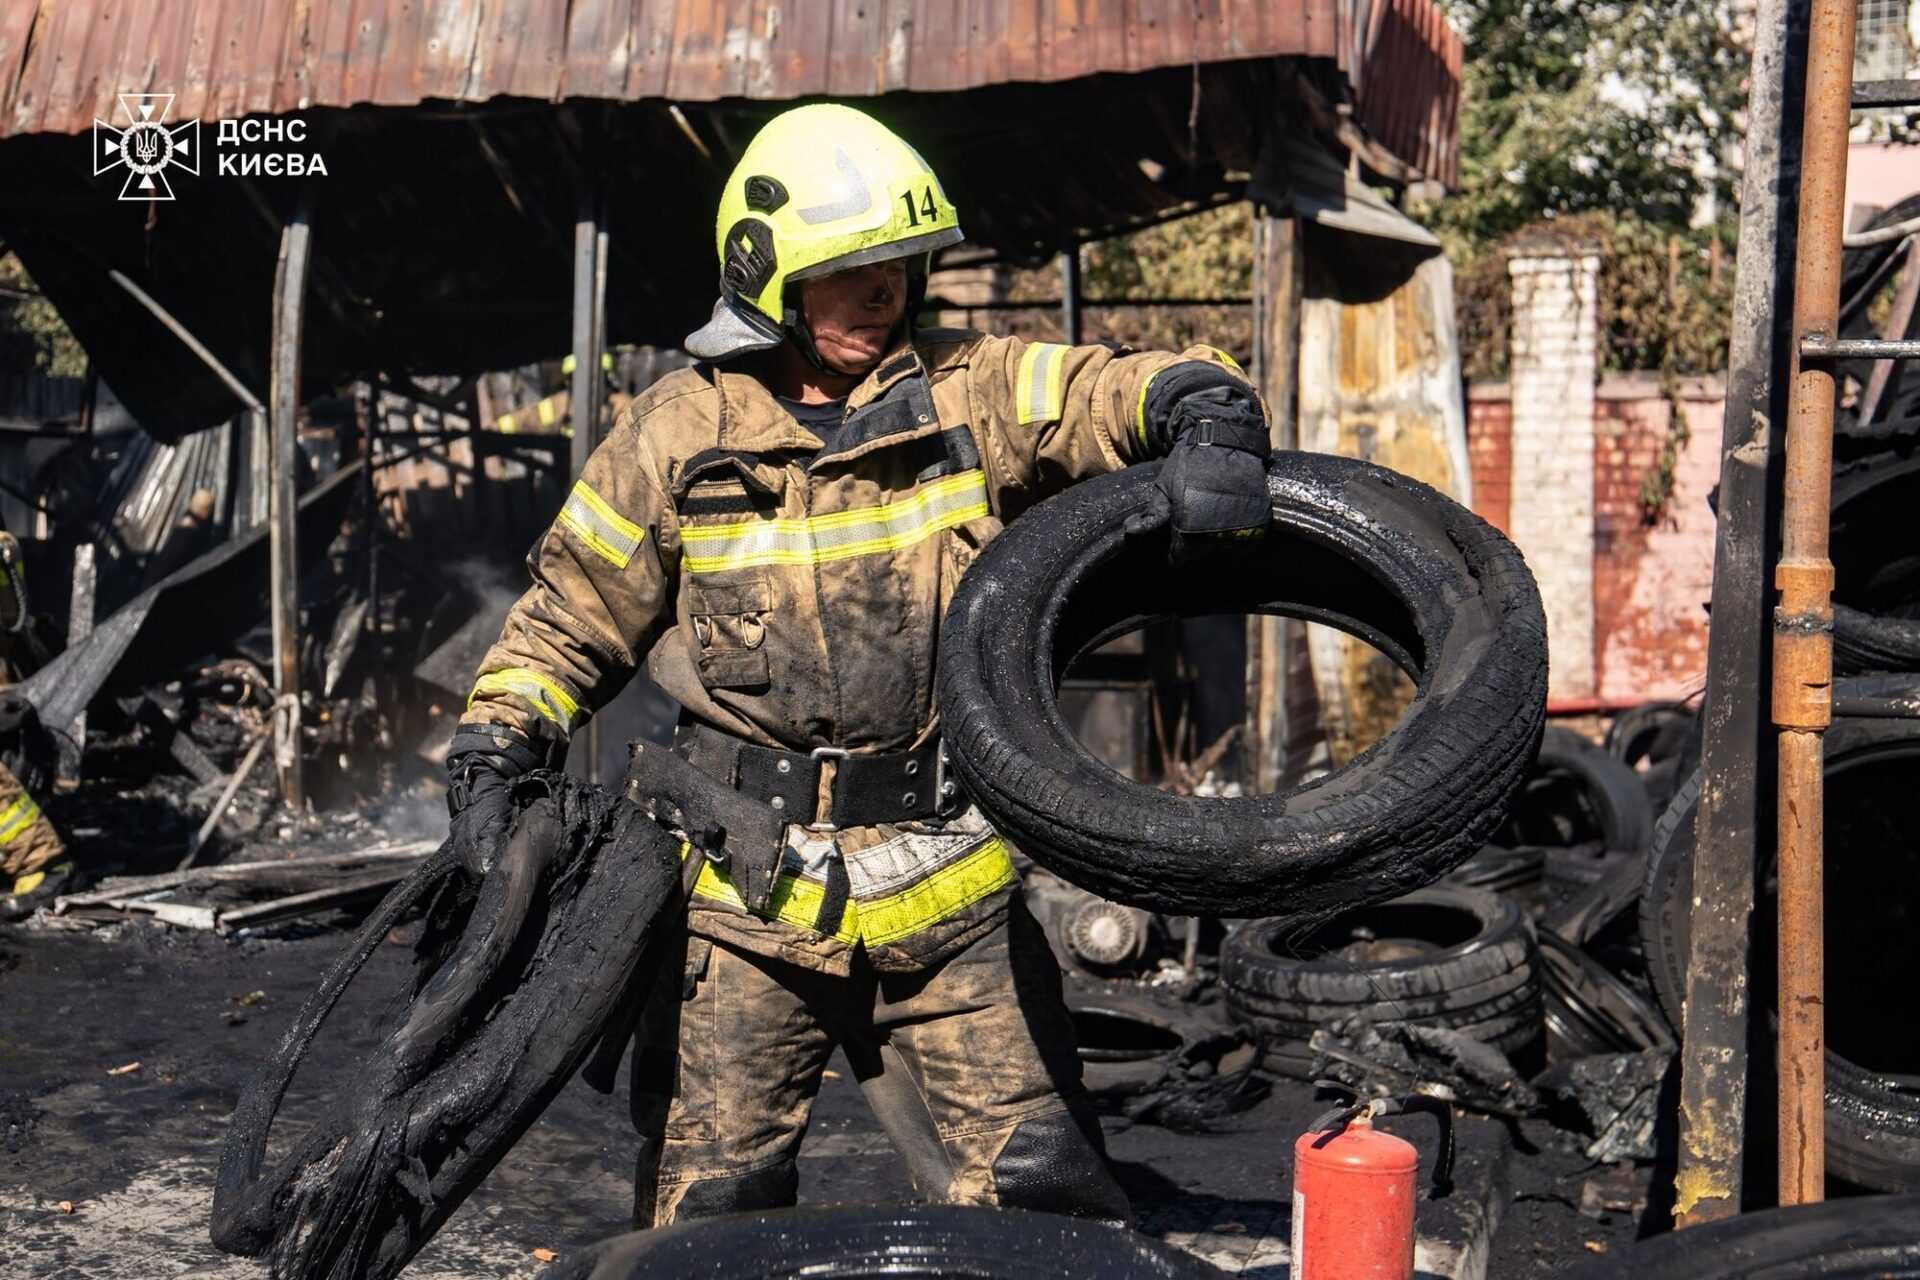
[
  {"x": 1873, "y": 940},
  {"x": 1578, "y": 794},
  {"x": 1876, "y": 613},
  {"x": 1462, "y": 959},
  {"x": 1416, "y": 575},
  {"x": 1660, "y": 742}
]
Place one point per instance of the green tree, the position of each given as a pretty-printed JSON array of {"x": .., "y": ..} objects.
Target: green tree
[
  {"x": 1623, "y": 106},
  {"x": 29, "y": 324},
  {"x": 1206, "y": 255}
]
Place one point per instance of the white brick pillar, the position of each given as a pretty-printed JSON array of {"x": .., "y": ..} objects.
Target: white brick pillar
[{"x": 1554, "y": 366}]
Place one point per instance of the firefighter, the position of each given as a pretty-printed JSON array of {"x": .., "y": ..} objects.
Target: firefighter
[
  {"x": 34, "y": 866},
  {"x": 777, "y": 533}
]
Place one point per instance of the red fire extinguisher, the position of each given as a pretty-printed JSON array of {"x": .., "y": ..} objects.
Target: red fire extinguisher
[{"x": 1354, "y": 1189}]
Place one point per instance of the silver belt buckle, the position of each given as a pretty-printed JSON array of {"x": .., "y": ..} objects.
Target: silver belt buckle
[{"x": 827, "y": 753}]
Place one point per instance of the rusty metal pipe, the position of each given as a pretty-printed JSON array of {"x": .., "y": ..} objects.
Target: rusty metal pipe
[{"x": 1803, "y": 618}]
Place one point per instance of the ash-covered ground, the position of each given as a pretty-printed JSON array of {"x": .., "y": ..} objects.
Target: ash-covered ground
[{"x": 126, "y": 1046}]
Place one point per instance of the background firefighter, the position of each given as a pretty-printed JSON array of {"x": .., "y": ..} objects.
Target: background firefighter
[
  {"x": 34, "y": 867},
  {"x": 777, "y": 532}
]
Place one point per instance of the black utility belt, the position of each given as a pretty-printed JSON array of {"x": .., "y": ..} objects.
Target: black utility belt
[{"x": 866, "y": 790}]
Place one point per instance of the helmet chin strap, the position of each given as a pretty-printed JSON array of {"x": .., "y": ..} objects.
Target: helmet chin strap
[
  {"x": 802, "y": 337},
  {"x": 918, "y": 268}
]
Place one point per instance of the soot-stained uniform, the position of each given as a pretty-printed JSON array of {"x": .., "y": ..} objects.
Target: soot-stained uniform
[
  {"x": 789, "y": 591},
  {"x": 787, "y": 586}
]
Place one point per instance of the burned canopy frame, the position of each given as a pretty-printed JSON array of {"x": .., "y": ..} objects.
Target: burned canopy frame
[{"x": 442, "y": 233}]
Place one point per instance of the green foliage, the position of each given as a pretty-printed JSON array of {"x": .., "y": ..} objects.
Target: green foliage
[
  {"x": 1663, "y": 302},
  {"x": 1625, "y": 106},
  {"x": 1209, "y": 255},
  {"x": 31, "y": 326},
  {"x": 1613, "y": 121}
]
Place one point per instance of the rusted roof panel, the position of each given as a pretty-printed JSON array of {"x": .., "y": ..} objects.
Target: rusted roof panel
[
  {"x": 63, "y": 62},
  {"x": 1406, "y": 78}
]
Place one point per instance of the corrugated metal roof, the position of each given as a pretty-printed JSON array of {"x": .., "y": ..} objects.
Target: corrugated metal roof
[{"x": 63, "y": 62}]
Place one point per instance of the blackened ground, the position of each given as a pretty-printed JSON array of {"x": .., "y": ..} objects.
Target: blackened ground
[{"x": 133, "y": 1151}]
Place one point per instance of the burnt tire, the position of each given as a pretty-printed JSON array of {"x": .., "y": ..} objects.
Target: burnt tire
[
  {"x": 1129, "y": 1043},
  {"x": 1445, "y": 957},
  {"x": 1876, "y": 612},
  {"x": 1422, "y": 579},
  {"x": 1578, "y": 792},
  {"x": 845, "y": 1243},
  {"x": 1873, "y": 1114},
  {"x": 1861, "y": 1236},
  {"x": 1660, "y": 741},
  {"x": 1865, "y": 270}
]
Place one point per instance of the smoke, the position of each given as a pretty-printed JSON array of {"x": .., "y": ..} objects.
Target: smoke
[
  {"x": 490, "y": 589},
  {"x": 420, "y": 814}
]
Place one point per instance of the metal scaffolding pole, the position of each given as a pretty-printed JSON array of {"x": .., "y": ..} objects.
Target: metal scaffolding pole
[
  {"x": 1803, "y": 621},
  {"x": 283, "y": 398},
  {"x": 1278, "y": 276},
  {"x": 1070, "y": 294},
  {"x": 589, "y": 320},
  {"x": 1735, "y": 746}
]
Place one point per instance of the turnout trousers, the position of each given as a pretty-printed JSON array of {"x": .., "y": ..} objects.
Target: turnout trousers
[{"x": 969, "y": 1065}]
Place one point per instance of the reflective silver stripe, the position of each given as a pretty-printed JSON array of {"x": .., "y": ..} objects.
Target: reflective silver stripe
[
  {"x": 1037, "y": 385},
  {"x": 607, "y": 533},
  {"x": 840, "y": 535},
  {"x": 893, "y": 865},
  {"x": 854, "y": 196}
]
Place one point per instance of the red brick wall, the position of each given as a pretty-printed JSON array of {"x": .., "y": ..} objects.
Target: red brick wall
[
  {"x": 1490, "y": 452},
  {"x": 1651, "y": 579}
]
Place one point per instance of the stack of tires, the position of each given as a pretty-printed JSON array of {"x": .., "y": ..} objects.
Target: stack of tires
[
  {"x": 1463, "y": 959},
  {"x": 1421, "y": 579},
  {"x": 1873, "y": 934},
  {"x": 1872, "y": 763}
]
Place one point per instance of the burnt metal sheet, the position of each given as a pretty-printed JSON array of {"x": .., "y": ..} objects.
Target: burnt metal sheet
[
  {"x": 63, "y": 62},
  {"x": 192, "y": 614},
  {"x": 442, "y": 236}
]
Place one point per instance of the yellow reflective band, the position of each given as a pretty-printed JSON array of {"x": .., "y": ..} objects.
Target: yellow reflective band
[
  {"x": 505, "y": 422},
  {"x": 607, "y": 533},
  {"x": 29, "y": 882},
  {"x": 1036, "y": 387},
  {"x": 1140, "y": 412},
  {"x": 840, "y": 535},
  {"x": 538, "y": 692},
  {"x": 546, "y": 412},
  {"x": 795, "y": 900},
  {"x": 954, "y": 887},
  {"x": 17, "y": 817},
  {"x": 1224, "y": 358}
]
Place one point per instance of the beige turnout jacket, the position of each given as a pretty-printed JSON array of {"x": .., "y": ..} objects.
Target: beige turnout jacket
[{"x": 789, "y": 591}]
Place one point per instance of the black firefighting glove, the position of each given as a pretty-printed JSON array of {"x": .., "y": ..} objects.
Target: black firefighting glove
[
  {"x": 1214, "y": 433},
  {"x": 482, "y": 763}
]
